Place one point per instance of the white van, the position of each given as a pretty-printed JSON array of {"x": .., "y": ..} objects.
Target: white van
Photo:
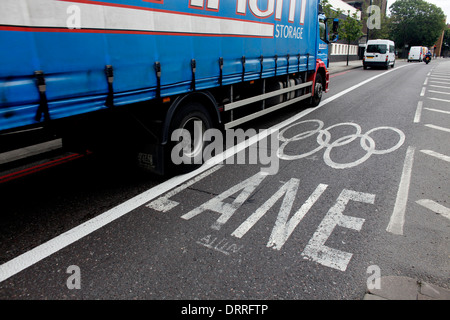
[
  {"x": 379, "y": 53},
  {"x": 416, "y": 53}
]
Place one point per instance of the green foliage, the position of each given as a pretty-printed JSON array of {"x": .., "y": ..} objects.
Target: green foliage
[
  {"x": 350, "y": 29},
  {"x": 416, "y": 23}
]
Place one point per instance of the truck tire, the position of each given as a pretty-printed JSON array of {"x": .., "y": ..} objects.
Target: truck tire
[
  {"x": 195, "y": 119},
  {"x": 318, "y": 91}
]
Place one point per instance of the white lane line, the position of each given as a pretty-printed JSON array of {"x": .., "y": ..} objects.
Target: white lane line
[
  {"x": 397, "y": 220},
  {"x": 432, "y": 126},
  {"x": 435, "y": 207},
  {"x": 440, "y": 77},
  {"x": 436, "y": 155},
  {"x": 433, "y": 85},
  {"x": 426, "y": 81},
  {"x": 33, "y": 256},
  {"x": 445, "y": 82},
  {"x": 438, "y": 99},
  {"x": 422, "y": 93},
  {"x": 438, "y": 110},
  {"x": 440, "y": 92},
  {"x": 418, "y": 112}
]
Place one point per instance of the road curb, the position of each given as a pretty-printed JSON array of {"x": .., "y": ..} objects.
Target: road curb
[{"x": 404, "y": 288}]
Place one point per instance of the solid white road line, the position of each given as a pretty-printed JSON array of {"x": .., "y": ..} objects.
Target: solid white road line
[
  {"x": 422, "y": 93},
  {"x": 418, "y": 112},
  {"x": 436, "y": 155},
  {"x": 440, "y": 92},
  {"x": 435, "y": 207},
  {"x": 164, "y": 204},
  {"x": 29, "y": 258},
  {"x": 444, "y": 82},
  {"x": 438, "y": 110},
  {"x": 438, "y": 99},
  {"x": 432, "y": 126},
  {"x": 433, "y": 85},
  {"x": 397, "y": 220}
]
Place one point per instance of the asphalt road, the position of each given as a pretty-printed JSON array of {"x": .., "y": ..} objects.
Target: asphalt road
[{"x": 361, "y": 189}]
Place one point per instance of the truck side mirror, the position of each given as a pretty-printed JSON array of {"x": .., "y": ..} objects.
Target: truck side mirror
[{"x": 335, "y": 35}]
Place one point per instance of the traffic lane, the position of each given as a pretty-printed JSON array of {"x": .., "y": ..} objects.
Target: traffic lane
[
  {"x": 422, "y": 249},
  {"x": 342, "y": 81},
  {"x": 429, "y": 199},
  {"x": 42, "y": 205},
  {"x": 152, "y": 255},
  {"x": 338, "y": 83},
  {"x": 131, "y": 243}
]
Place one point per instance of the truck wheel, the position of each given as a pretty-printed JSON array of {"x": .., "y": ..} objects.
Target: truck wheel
[
  {"x": 318, "y": 91},
  {"x": 187, "y": 154}
]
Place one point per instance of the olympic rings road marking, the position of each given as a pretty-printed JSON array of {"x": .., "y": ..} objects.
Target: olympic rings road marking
[{"x": 324, "y": 141}]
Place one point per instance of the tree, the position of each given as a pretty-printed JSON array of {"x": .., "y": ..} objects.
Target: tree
[
  {"x": 330, "y": 12},
  {"x": 383, "y": 31},
  {"x": 350, "y": 29},
  {"x": 416, "y": 23}
]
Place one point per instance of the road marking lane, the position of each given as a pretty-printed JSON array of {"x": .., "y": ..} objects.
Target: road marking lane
[
  {"x": 438, "y": 110},
  {"x": 432, "y": 126},
  {"x": 418, "y": 114},
  {"x": 444, "y": 82},
  {"x": 164, "y": 204},
  {"x": 440, "y": 92},
  {"x": 397, "y": 220},
  {"x": 435, "y": 207},
  {"x": 33, "y": 256},
  {"x": 438, "y": 99},
  {"x": 436, "y": 155},
  {"x": 433, "y": 85}
]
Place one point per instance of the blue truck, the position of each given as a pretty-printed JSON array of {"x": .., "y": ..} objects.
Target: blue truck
[{"x": 121, "y": 75}]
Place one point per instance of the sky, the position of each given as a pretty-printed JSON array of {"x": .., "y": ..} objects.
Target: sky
[{"x": 443, "y": 4}]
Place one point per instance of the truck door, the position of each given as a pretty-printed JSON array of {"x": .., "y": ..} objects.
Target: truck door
[{"x": 322, "y": 52}]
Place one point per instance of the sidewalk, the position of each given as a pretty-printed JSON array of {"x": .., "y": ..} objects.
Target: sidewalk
[{"x": 341, "y": 66}]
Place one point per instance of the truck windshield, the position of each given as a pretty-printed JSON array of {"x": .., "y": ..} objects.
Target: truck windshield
[{"x": 377, "y": 48}]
